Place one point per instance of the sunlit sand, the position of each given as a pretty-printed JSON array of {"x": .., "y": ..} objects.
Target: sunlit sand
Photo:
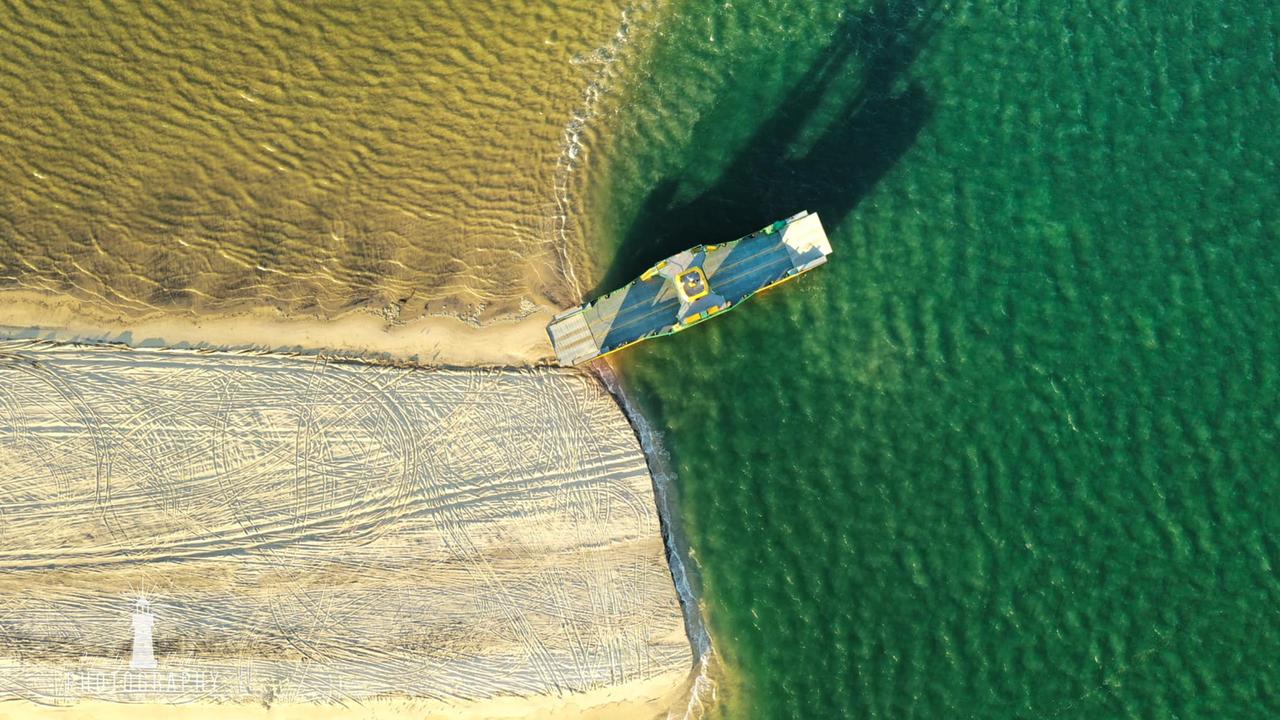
[{"x": 306, "y": 531}]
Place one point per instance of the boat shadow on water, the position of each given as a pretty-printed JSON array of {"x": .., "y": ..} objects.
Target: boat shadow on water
[{"x": 785, "y": 166}]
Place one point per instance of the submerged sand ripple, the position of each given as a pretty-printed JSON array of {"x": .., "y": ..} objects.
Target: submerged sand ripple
[
  {"x": 307, "y": 530},
  {"x": 209, "y": 157}
]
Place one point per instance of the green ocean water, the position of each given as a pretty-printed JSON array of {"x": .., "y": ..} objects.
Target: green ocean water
[{"x": 1015, "y": 451}]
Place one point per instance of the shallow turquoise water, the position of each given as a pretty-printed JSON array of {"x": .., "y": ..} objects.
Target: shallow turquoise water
[{"x": 1015, "y": 452}]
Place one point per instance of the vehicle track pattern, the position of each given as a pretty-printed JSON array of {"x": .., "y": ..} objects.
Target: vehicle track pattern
[{"x": 321, "y": 531}]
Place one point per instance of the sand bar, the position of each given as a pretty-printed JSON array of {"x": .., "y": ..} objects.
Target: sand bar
[
  {"x": 429, "y": 340},
  {"x": 307, "y": 532}
]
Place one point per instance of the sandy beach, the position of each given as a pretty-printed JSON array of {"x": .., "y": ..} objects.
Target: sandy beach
[
  {"x": 663, "y": 696},
  {"x": 425, "y": 340},
  {"x": 302, "y": 532},
  {"x": 436, "y": 525}
]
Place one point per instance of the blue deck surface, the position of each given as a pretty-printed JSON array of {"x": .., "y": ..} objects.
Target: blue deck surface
[
  {"x": 649, "y": 307},
  {"x": 689, "y": 287}
]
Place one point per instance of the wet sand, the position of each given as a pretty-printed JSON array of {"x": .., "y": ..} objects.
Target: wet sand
[
  {"x": 312, "y": 532},
  {"x": 425, "y": 340}
]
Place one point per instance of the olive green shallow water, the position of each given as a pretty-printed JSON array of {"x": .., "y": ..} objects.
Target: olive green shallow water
[
  {"x": 172, "y": 156},
  {"x": 1015, "y": 452}
]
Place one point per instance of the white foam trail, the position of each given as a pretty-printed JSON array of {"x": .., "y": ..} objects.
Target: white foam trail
[
  {"x": 604, "y": 57},
  {"x": 685, "y": 578},
  {"x": 703, "y": 692}
]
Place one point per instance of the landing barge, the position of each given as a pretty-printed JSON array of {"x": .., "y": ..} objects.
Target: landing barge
[{"x": 690, "y": 287}]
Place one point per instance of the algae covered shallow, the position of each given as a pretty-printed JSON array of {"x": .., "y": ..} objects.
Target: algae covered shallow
[{"x": 1012, "y": 453}]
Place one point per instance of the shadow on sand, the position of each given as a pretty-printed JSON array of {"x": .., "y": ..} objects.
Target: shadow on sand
[{"x": 879, "y": 112}]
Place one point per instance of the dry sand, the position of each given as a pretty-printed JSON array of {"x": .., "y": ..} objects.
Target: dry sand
[
  {"x": 660, "y": 697},
  {"x": 311, "y": 535}
]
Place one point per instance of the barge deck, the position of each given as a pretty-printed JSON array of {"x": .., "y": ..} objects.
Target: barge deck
[{"x": 689, "y": 287}]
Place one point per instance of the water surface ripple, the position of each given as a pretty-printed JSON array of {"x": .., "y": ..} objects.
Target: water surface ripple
[{"x": 1013, "y": 453}]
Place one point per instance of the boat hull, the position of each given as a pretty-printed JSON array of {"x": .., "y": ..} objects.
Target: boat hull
[{"x": 688, "y": 288}]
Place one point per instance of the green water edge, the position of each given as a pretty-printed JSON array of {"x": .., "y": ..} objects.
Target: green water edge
[{"x": 1014, "y": 452}]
